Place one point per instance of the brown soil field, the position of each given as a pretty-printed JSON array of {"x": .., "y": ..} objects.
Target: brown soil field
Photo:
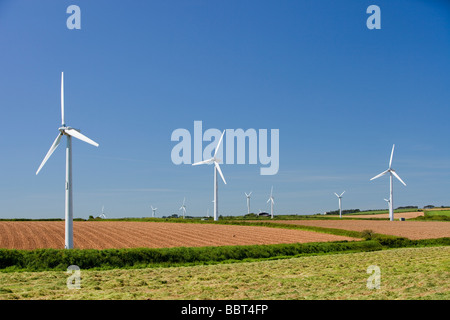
[
  {"x": 406, "y": 215},
  {"x": 410, "y": 229},
  {"x": 120, "y": 234}
]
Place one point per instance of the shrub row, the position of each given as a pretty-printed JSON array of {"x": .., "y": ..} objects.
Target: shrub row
[{"x": 55, "y": 259}]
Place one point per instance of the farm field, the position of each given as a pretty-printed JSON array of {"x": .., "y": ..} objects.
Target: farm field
[
  {"x": 406, "y": 273},
  {"x": 438, "y": 212},
  {"x": 410, "y": 229},
  {"x": 406, "y": 215},
  {"x": 120, "y": 234}
]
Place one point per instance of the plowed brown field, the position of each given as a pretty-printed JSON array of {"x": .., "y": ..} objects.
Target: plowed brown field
[
  {"x": 119, "y": 234},
  {"x": 410, "y": 229},
  {"x": 406, "y": 215}
]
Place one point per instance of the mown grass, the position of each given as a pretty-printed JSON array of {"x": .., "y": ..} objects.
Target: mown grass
[{"x": 406, "y": 273}]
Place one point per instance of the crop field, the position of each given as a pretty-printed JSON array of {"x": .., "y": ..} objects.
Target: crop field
[
  {"x": 438, "y": 213},
  {"x": 406, "y": 215},
  {"x": 409, "y": 229},
  {"x": 406, "y": 273},
  {"x": 120, "y": 234}
]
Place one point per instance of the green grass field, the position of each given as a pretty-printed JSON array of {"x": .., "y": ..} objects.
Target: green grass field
[
  {"x": 406, "y": 273},
  {"x": 438, "y": 213}
]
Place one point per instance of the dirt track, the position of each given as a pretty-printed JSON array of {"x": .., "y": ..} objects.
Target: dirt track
[
  {"x": 409, "y": 229},
  {"x": 116, "y": 234}
]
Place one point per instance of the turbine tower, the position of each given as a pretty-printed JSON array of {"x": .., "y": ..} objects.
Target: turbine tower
[
  {"x": 248, "y": 201},
  {"x": 183, "y": 207},
  {"x": 391, "y": 173},
  {"x": 153, "y": 211},
  {"x": 340, "y": 202},
  {"x": 216, "y": 182},
  {"x": 271, "y": 203},
  {"x": 69, "y": 132}
]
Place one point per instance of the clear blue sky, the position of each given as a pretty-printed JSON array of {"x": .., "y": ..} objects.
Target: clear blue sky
[{"x": 339, "y": 93}]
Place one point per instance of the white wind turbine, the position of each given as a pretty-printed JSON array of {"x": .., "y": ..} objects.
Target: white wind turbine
[
  {"x": 340, "y": 203},
  {"x": 69, "y": 133},
  {"x": 248, "y": 201},
  {"x": 102, "y": 215},
  {"x": 183, "y": 207},
  {"x": 216, "y": 169},
  {"x": 387, "y": 200},
  {"x": 153, "y": 211},
  {"x": 271, "y": 203},
  {"x": 391, "y": 173}
]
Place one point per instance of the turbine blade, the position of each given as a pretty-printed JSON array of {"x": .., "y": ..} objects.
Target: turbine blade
[
  {"x": 342, "y": 193},
  {"x": 250, "y": 193},
  {"x": 381, "y": 174},
  {"x": 336, "y": 194},
  {"x": 50, "y": 151},
  {"x": 220, "y": 171},
  {"x": 396, "y": 175},
  {"x": 203, "y": 162},
  {"x": 62, "y": 99},
  {"x": 268, "y": 200},
  {"x": 78, "y": 135},
  {"x": 392, "y": 154},
  {"x": 218, "y": 145}
]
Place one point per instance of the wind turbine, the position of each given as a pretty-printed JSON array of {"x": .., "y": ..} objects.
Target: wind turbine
[
  {"x": 387, "y": 200},
  {"x": 216, "y": 182},
  {"x": 183, "y": 207},
  {"x": 248, "y": 201},
  {"x": 102, "y": 215},
  {"x": 340, "y": 202},
  {"x": 391, "y": 173},
  {"x": 69, "y": 132},
  {"x": 271, "y": 203},
  {"x": 153, "y": 211}
]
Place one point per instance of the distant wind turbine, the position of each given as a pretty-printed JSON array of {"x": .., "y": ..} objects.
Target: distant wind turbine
[
  {"x": 153, "y": 211},
  {"x": 391, "y": 173},
  {"x": 69, "y": 132},
  {"x": 183, "y": 207},
  {"x": 215, "y": 161},
  {"x": 271, "y": 202},
  {"x": 248, "y": 201},
  {"x": 102, "y": 215},
  {"x": 340, "y": 202}
]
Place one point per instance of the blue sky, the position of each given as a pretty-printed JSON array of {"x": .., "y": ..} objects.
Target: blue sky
[{"x": 339, "y": 93}]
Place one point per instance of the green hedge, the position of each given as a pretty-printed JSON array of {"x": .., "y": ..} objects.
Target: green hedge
[
  {"x": 55, "y": 259},
  {"x": 60, "y": 259}
]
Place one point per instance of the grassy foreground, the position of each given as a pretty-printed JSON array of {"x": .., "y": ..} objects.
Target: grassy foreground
[{"x": 406, "y": 273}]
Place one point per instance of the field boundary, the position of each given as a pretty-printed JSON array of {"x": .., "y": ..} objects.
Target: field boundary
[{"x": 12, "y": 260}]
